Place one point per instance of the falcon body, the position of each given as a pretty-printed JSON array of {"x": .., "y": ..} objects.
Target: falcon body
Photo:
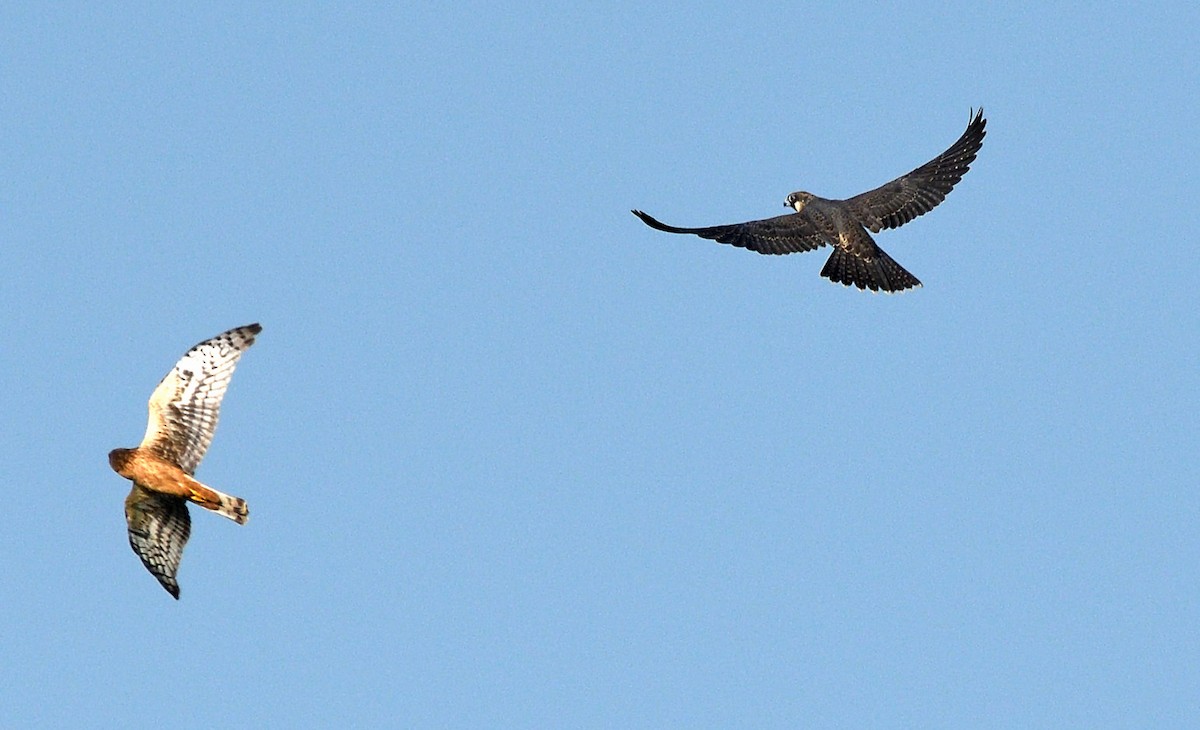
[
  {"x": 844, "y": 224},
  {"x": 184, "y": 409}
]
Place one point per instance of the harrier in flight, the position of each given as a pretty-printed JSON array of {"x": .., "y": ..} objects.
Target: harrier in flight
[
  {"x": 843, "y": 224},
  {"x": 183, "y": 417}
]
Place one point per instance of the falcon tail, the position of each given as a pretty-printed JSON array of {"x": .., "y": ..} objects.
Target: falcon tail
[
  {"x": 880, "y": 273},
  {"x": 223, "y": 504}
]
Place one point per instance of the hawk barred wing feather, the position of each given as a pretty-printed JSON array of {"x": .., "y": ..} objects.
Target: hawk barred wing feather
[
  {"x": 159, "y": 527},
  {"x": 185, "y": 406},
  {"x": 844, "y": 224}
]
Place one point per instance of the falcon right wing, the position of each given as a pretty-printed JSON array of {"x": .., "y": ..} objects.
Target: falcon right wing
[{"x": 903, "y": 199}]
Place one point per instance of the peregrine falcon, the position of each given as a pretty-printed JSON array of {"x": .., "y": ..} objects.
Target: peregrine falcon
[{"x": 843, "y": 224}]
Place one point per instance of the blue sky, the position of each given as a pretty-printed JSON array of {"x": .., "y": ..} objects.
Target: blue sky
[{"x": 514, "y": 459}]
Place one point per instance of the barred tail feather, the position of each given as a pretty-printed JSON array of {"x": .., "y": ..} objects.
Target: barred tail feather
[
  {"x": 223, "y": 504},
  {"x": 880, "y": 273}
]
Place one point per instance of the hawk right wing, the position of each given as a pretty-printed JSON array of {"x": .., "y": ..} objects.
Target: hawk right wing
[
  {"x": 159, "y": 527},
  {"x": 790, "y": 233},
  {"x": 185, "y": 406}
]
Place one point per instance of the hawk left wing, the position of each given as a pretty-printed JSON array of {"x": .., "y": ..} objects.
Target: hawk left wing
[
  {"x": 159, "y": 526},
  {"x": 903, "y": 199},
  {"x": 185, "y": 406}
]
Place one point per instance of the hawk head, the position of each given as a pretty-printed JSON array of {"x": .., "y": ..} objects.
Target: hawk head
[
  {"x": 118, "y": 458},
  {"x": 797, "y": 200}
]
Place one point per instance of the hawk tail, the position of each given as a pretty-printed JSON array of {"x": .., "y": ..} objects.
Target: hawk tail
[
  {"x": 223, "y": 504},
  {"x": 878, "y": 273}
]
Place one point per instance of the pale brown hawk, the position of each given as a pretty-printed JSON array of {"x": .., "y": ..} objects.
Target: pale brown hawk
[{"x": 183, "y": 417}]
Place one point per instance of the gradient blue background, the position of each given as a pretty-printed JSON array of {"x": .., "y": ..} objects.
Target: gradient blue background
[{"x": 514, "y": 459}]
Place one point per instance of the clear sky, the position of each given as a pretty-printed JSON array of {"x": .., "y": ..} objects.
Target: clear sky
[{"x": 514, "y": 459}]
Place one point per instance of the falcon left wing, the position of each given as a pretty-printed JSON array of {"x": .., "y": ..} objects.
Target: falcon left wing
[{"x": 779, "y": 235}]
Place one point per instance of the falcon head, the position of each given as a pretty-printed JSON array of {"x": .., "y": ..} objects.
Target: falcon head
[{"x": 797, "y": 200}]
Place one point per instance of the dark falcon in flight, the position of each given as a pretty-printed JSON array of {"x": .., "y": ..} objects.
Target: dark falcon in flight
[{"x": 843, "y": 224}]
